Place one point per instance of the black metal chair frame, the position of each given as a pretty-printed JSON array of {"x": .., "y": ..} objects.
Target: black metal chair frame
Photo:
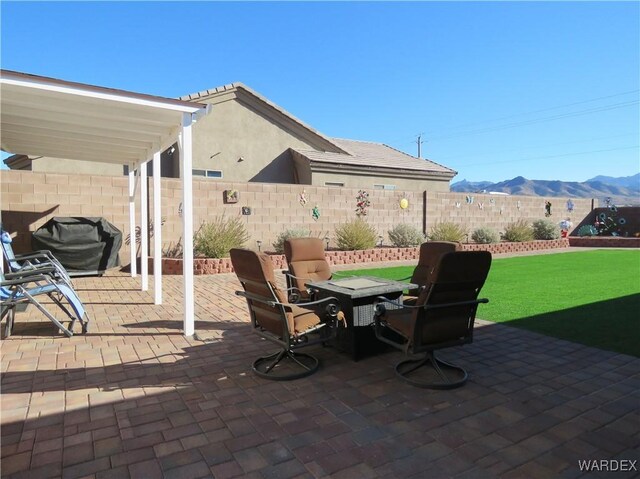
[
  {"x": 265, "y": 365},
  {"x": 426, "y": 353}
]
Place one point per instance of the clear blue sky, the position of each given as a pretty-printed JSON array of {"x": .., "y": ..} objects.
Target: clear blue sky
[{"x": 546, "y": 90}]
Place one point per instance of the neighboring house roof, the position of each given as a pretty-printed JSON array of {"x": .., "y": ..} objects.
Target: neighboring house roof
[{"x": 366, "y": 154}]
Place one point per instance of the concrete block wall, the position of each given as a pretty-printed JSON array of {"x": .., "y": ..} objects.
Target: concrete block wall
[
  {"x": 29, "y": 199},
  {"x": 497, "y": 211}
]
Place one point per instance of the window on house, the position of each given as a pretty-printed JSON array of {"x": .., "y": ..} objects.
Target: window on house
[
  {"x": 334, "y": 184},
  {"x": 384, "y": 187},
  {"x": 207, "y": 173}
]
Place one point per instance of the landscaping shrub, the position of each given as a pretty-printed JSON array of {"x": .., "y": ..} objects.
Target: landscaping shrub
[
  {"x": 278, "y": 245},
  {"x": 405, "y": 235},
  {"x": 545, "y": 230},
  {"x": 587, "y": 230},
  {"x": 446, "y": 231},
  {"x": 356, "y": 234},
  {"x": 214, "y": 239},
  {"x": 485, "y": 235},
  {"x": 518, "y": 232}
]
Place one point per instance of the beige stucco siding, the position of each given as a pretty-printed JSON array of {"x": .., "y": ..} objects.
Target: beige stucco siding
[{"x": 235, "y": 130}]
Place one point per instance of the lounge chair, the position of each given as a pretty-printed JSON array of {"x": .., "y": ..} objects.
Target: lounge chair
[
  {"x": 442, "y": 317},
  {"x": 24, "y": 286},
  {"x": 35, "y": 260},
  {"x": 288, "y": 325}
]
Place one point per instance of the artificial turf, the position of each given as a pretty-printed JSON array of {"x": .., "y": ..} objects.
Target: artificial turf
[{"x": 590, "y": 297}]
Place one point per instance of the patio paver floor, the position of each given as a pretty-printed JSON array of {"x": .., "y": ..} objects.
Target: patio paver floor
[{"x": 134, "y": 398}]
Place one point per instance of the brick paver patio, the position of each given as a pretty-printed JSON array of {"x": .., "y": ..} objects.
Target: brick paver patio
[{"x": 134, "y": 398}]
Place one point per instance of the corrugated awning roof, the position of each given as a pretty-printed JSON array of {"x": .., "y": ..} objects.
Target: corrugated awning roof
[{"x": 48, "y": 117}]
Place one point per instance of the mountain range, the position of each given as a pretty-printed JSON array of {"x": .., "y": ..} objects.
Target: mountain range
[{"x": 621, "y": 190}]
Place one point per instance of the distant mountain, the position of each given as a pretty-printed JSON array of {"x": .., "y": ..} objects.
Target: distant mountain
[
  {"x": 631, "y": 182},
  {"x": 589, "y": 189}
]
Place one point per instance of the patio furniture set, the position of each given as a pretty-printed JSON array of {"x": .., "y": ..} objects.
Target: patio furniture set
[{"x": 361, "y": 315}]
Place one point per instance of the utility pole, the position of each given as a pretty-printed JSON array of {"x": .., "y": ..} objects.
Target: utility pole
[{"x": 419, "y": 142}]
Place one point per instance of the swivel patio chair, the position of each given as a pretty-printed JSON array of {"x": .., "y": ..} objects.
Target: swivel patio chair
[
  {"x": 430, "y": 254},
  {"x": 442, "y": 318},
  {"x": 24, "y": 286},
  {"x": 288, "y": 325},
  {"x": 306, "y": 262},
  {"x": 35, "y": 260}
]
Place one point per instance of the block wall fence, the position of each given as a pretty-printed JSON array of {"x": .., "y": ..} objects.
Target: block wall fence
[{"x": 29, "y": 199}]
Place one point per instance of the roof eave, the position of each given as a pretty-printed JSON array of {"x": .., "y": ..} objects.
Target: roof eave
[{"x": 318, "y": 166}]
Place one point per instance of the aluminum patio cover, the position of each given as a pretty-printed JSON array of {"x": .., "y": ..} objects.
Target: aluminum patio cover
[{"x": 49, "y": 117}]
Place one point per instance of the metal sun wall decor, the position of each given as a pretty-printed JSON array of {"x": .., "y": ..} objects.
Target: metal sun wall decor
[{"x": 404, "y": 203}]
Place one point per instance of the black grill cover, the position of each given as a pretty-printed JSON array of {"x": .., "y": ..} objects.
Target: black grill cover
[{"x": 80, "y": 244}]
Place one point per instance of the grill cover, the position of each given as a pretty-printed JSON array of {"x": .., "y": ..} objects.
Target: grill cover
[{"x": 80, "y": 244}]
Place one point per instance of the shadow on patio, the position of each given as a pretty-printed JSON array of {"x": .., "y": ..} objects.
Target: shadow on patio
[{"x": 134, "y": 398}]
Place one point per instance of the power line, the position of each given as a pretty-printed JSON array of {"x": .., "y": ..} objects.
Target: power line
[
  {"x": 538, "y": 120},
  {"x": 543, "y": 110},
  {"x": 550, "y": 156},
  {"x": 542, "y": 145}
]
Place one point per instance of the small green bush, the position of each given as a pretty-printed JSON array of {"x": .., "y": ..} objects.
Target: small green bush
[
  {"x": 518, "y": 232},
  {"x": 405, "y": 235},
  {"x": 485, "y": 235},
  {"x": 278, "y": 245},
  {"x": 587, "y": 230},
  {"x": 356, "y": 234},
  {"x": 545, "y": 230},
  {"x": 447, "y": 231},
  {"x": 214, "y": 239}
]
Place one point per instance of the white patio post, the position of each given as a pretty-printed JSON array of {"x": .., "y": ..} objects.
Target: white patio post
[
  {"x": 187, "y": 224},
  {"x": 132, "y": 220},
  {"x": 144, "y": 227},
  {"x": 157, "y": 231}
]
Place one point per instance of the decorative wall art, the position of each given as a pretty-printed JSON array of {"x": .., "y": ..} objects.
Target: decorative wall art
[
  {"x": 231, "y": 196},
  {"x": 315, "y": 213},
  {"x": 480, "y": 205},
  {"x": 518, "y": 204},
  {"x": 302, "y": 198},
  {"x": 469, "y": 199},
  {"x": 570, "y": 206},
  {"x": 547, "y": 208},
  {"x": 404, "y": 203},
  {"x": 362, "y": 203},
  {"x": 246, "y": 210},
  {"x": 492, "y": 201},
  {"x": 458, "y": 204}
]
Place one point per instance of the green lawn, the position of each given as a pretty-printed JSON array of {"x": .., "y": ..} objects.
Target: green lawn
[{"x": 590, "y": 297}]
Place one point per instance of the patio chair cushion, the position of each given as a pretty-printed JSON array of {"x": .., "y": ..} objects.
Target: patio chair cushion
[
  {"x": 306, "y": 261},
  {"x": 430, "y": 254}
]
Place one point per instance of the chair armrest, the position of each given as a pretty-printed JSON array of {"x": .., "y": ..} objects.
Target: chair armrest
[
  {"x": 332, "y": 308},
  {"x": 24, "y": 280},
  {"x": 457, "y": 303},
  {"x": 29, "y": 274}
]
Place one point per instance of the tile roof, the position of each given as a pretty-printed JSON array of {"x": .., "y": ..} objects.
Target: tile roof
[{"x": 378, "y": 155}]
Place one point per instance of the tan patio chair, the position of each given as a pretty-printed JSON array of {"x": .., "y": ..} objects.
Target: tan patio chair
[
  {"x": 443, "y": 317},
  {"x": 306, "y": 262},
  {"x": 430, "y": 254},
  {"x": 275, "y": 319}
]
